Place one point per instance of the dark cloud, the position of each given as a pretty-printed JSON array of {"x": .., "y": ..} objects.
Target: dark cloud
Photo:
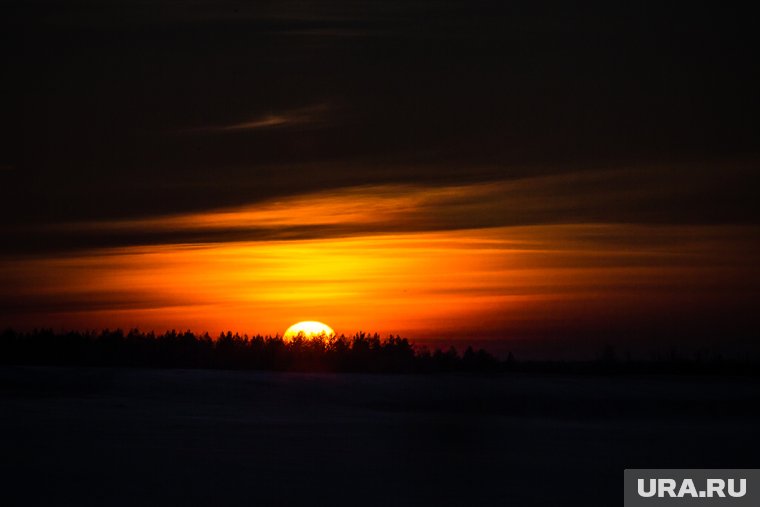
[
  {"x": 91, "y": 301},
  {"x": 99, "y": 99},
  {"x": 656, "y": 195}
]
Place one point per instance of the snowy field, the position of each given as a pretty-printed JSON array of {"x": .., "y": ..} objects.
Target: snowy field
[{"x": 177, "y": 437}]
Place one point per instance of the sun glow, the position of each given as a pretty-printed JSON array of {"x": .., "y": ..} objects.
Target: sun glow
[
  {"x": 308, "y": 329},
  {"x": 366, "y": 259}
]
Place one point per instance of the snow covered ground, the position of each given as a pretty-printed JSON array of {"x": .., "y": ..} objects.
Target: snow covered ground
[{"x": 178, "y": 437}]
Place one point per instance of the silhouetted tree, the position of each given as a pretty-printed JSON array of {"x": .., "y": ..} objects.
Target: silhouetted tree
[{"x": 360, "y": 353}]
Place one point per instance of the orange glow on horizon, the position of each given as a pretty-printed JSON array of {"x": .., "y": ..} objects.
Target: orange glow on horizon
[
  {"x": 418, "y": 283},
  {"x": 497, "y": 281}
]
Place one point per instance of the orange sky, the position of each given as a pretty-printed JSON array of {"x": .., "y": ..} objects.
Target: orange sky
[
  {"x": 480, "y": 283},
  {"x": 504, "y": 173}
]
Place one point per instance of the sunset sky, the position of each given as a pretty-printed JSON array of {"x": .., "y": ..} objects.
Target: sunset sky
[{"x": 534, "y": 176}]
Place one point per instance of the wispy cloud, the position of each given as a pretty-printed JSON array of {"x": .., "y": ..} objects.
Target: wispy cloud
[
  {"x": 600, "y": 197},
  {"x": 310, "y": 115},
  {"x": 353, "y": 211}
]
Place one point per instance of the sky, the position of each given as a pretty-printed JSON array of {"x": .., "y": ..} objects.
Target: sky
[{"x": 533, "y": 176}]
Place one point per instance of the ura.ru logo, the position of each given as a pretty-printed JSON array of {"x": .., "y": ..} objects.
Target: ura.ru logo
[{"x": 687, "y": 489}]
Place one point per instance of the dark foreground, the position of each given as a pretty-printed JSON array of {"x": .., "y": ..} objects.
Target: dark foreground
[{"x": 182, "y": 437}]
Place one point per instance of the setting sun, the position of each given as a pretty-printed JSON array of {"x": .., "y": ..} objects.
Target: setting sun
[{"x": 308, "y": 329}]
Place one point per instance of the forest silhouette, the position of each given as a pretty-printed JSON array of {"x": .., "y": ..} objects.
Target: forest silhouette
[{"x": 361, "y": 352}]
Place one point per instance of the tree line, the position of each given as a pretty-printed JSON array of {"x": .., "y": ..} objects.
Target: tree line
[{"x": 361, "y": 352}]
